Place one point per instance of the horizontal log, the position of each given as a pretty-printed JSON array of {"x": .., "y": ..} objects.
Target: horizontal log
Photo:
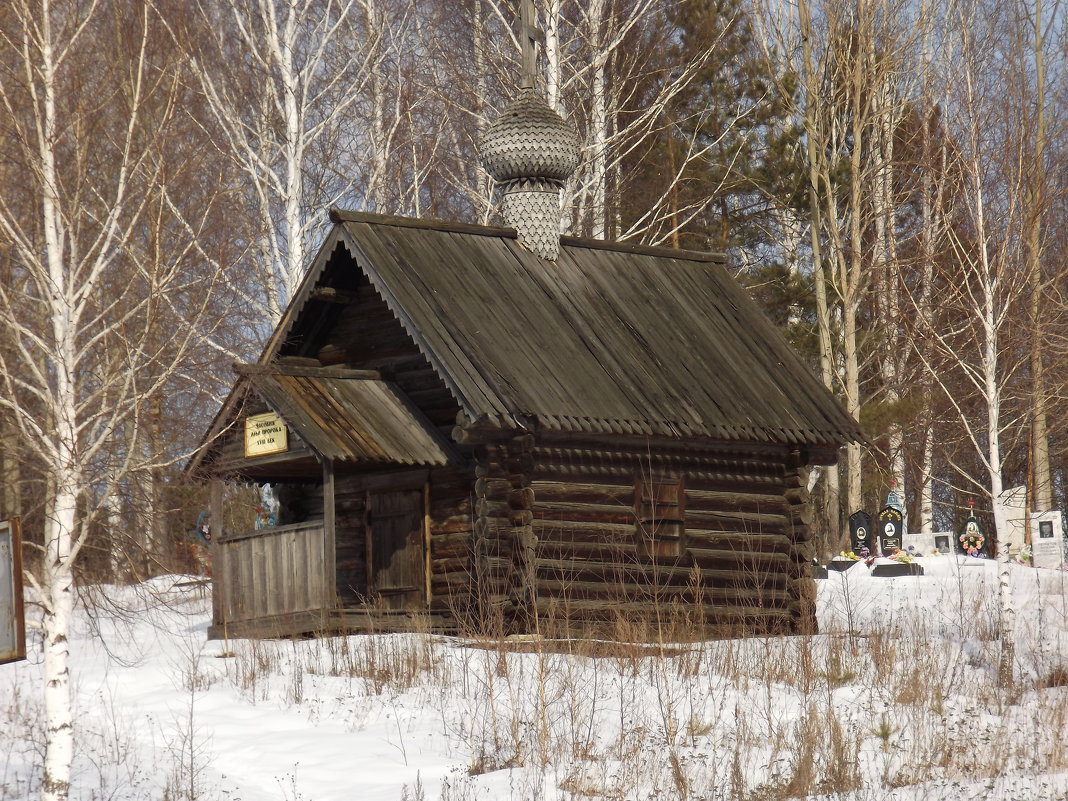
[
  {"x": 619, "y": 552},
  {"x": 487, "y": 508},
  {"x": 452, "y": 525},
  {"x": 749, "y": 560},
  {"x": 622, "y": 495},
  {"x": 489, "y": 486},
  {"x": 754, "y": 522},
  {"x": 450, "y": 565},
  {"x": 616, "y": 475},
  {"x": 301, "y": 370},
  {"x": 680, "y": 575},
  {"x": 608, "y": 610},
  {"x": 738, "y": 541},
  {"x": 624, "y": 555},
  {"x": 663, "y": 596},
  {"x": 492, "y": 527},
  {"x": 418, "y": 378},
  {"x": 600, "y": 532},
  {"x": 443, "y": 545},
  {"x": 614, "y": 514}
]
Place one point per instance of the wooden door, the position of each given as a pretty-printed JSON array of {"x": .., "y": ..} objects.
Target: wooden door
[{"x": 396, "y": 549}]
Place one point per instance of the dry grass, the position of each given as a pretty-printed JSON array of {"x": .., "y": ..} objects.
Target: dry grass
[{"x": 850, "y": 713}]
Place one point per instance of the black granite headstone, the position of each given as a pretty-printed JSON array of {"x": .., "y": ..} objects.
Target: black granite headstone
[
  {"x": 888, "y": 526},
  {"x": 860, "y": 535}
]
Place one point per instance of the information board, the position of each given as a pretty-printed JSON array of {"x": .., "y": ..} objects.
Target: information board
[
  {"x": 265, "y": 434},
  {"x": 12, "y": 612}
]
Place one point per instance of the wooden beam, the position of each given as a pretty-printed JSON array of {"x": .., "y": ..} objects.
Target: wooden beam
[
  {"x": 219, "y": 590},
  {"x": 343, "y": 215},
  {"x": 645, "y": 250},
  {"x": 329, "y": 536},
  {"x": 426, "y": 542},
  {"x": 307, "y": 371}
]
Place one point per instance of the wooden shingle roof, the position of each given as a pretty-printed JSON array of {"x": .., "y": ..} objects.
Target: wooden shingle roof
[
  {"x": 608, "y": 338},
  {"x": 349, "y": 415}
]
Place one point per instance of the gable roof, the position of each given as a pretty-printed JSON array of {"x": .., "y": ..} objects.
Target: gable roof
[{"x": 608, "y": 338}]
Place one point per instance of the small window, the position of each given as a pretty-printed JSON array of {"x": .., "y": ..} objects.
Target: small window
[{"x": 660, "y": 515}]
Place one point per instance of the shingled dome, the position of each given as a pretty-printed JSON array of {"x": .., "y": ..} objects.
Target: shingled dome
[
  {"x": 530, "y": 140},
  {"x": 530, "y": 151}
]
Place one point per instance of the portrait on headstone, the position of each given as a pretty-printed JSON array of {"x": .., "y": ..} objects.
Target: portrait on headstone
[
  {"x": 889, "y": 528},
  {"x": 860, "y": 532}
]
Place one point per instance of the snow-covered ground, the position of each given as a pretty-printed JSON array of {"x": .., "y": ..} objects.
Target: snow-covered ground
[{"x": 894, "y": 699}]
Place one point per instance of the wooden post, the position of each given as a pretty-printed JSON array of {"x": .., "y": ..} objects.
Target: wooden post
[
  {"x": 330, "y": 543},
  {"x": 426, "y": 540},
  {"x": 529, "y": 36},
  {"x": 220, "y": 593},
  {"x": 368, "y": 551}
]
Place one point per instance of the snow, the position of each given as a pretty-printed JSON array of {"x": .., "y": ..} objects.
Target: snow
[{"x": 894, "y": 699}]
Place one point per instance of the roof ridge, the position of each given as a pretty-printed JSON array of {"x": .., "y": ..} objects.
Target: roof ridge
[
  {"x": 344, "y": 215},
  {"x": 644, "y": 250}
]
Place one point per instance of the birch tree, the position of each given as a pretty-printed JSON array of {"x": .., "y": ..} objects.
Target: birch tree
[
  {"x": 984, "y": 283},
  {"x": 86, "y": 109},
  {"x": 282, "y": 79}
]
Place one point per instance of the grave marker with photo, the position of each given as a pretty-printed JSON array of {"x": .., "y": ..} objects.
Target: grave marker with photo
[
  {"x": 860, "y": 534},
  {"x": 889, "y": 526},
  {"x": 1047, "y": 539}
]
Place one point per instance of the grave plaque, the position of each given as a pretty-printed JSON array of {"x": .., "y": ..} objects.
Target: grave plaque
[
  {"x": 1047, "y": 539},
  {"x": 972, "y": 540},
  {"x": 888, "y": 526},
  {"x": 860, "y": 532}
]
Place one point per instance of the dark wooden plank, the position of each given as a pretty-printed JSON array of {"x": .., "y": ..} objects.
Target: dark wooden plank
[
  {"x": 276, "y": 369},
  {"x": 425, "y": 223},
  {"x": 644, "y": 250},
  {"x": 328, "y": 564}
]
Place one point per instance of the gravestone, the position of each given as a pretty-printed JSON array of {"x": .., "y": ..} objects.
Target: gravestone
[
  {"x": 860, "y": 534},
  {"x": 889, "y": 525},
  {"x": 971, "y": 539},
  {"x": 1047, "y": 539},
  {"x": 1010, "y": 517},
  {"x": 926, "y": 542},
  {"x": 897, "y": 569}
]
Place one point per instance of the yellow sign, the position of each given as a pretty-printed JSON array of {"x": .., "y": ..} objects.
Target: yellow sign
[{"x": 265, "y": 434}]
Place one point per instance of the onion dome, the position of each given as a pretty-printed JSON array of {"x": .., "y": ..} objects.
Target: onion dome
[
  {"x": 530, "y": 140},
  {"x": 530, "y": 151}
]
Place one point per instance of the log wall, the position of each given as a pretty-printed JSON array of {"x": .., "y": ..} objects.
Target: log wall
[{"x": 743, "y": 567}]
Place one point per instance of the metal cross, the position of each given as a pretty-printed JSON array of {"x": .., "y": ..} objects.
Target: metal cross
[{"x": 530, "y": 35}]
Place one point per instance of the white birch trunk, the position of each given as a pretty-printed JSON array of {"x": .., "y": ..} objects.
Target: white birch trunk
[
  {"x": 283, "y": 45},
  {"x": 553, "y": 66},
  {"x": 889, "y": 302},
  {"x": 57, "y": 580}
]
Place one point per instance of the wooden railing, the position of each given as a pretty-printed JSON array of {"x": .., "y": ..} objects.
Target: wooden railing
[{"x": 272, "y": 574}]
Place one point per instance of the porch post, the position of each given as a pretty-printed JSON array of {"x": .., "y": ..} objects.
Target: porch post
[
  {"x": 329, "y": 544},
  {"x": 219, "y": 591}
]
